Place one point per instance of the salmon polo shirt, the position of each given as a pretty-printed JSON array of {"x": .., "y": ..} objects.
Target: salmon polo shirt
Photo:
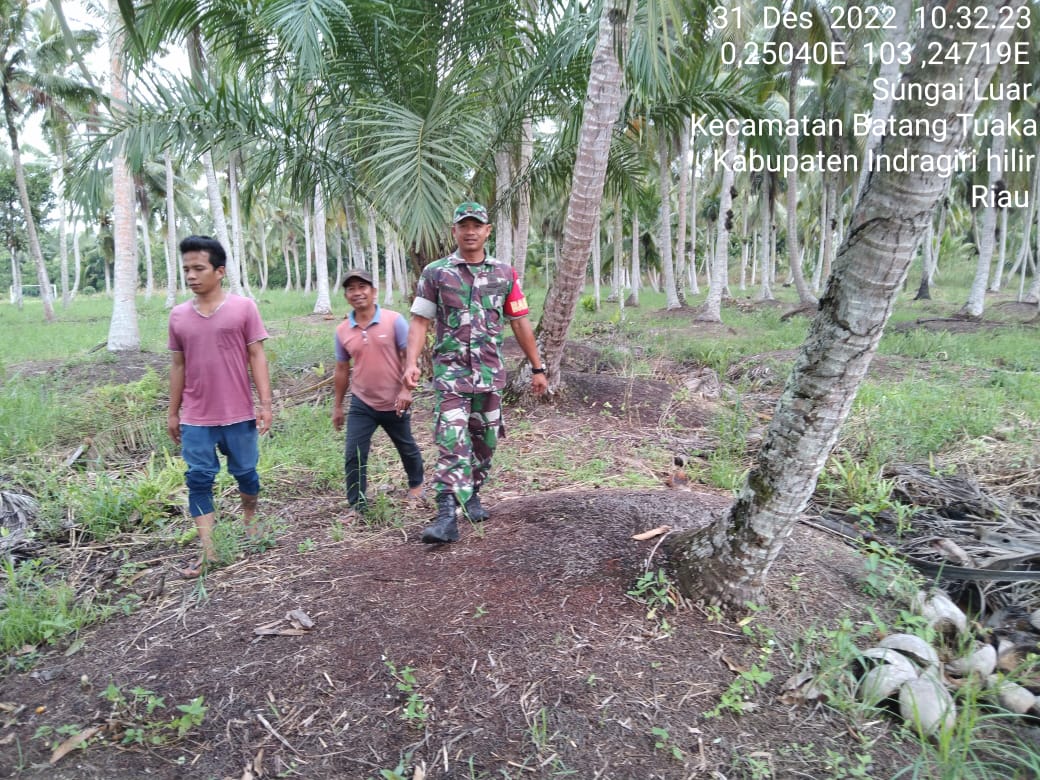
[
  {"x": 217, "y": 388},
  {"x": 375, "y": 351}
]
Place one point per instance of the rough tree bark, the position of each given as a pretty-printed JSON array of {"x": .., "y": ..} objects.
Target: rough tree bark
[
  {"x": 727, "y": 564},
  {"x": 602, "y": 107}
]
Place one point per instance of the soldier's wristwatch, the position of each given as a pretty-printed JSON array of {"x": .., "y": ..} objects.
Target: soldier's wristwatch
[{"x": 537, "y": 370}]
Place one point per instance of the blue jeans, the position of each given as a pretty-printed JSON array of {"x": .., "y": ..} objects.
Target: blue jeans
[
  {"x": 199, "y": 446},
  {"x": 362, "y": 421}
]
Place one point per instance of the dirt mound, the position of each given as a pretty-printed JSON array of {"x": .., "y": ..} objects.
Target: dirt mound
[{"x": 97, "y": 368}]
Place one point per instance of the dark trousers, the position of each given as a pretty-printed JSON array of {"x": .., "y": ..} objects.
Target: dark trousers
[{"x": 362, "y": 421}]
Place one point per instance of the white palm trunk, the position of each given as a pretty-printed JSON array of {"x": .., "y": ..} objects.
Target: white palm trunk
[
  {"x": 172, "y": 255},
  {"x": 263, "y": 266},
  {"x": 637, "y": 274},
  {"x": 323, "y": 304},
  {"x": 987, "y": 233},
  {"x": 308, "y": 249},
  {"x": 220, "y": 226},
  {"x": 692, "y": 264},
  {"x": 664, "y": 163},
  {"x": 77, "y": 260},
  {"x": 711, "y": 311},
  {"x": 339, "y": 258},
  {"x": 373, "y": 242},
  {"x": 149, "y": 267},
  {"x": 794, "y": 250},
  {"x": 123, "y": 334},
  {"x": 237, "y": 242},
  {"x": 392, "y": 252},
  {"x": 63, "y": 240},
  {"x": 617, "y": 290},
  {"x": 597, "y": 265},
  {"x": 889, "y": 70},
  {"x": 523, "y": 200},
  {"x": 504, "y": 214},
  {"x": 357, "y": 250},
  {"x": 681, "y": 207},
  {"x": 42, "y": 278}
]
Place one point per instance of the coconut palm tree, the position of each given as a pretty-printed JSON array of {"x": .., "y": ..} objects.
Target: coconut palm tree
[
  {"x": 61, "y": 97},
  {"x": 727, "y": 563},
  {"x": 17, "y": 82}
]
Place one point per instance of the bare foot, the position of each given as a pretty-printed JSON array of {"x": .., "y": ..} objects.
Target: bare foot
[
  {"x": 416, "y": 494},
  {"x": 196, "y": 569}
]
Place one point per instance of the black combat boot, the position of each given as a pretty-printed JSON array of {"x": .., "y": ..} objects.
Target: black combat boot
[
  {"x": 444, "y": 528},
  {"x": 474, "y": 511}
]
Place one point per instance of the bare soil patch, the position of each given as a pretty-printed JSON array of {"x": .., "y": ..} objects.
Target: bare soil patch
[{"x": 525, "y": 649}]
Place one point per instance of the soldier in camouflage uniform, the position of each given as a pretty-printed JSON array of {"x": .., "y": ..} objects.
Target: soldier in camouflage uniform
[{"x": 469, "y": 296}]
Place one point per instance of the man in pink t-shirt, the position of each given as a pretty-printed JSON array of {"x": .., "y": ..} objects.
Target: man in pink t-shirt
[
  {"x": 217, "y": 341},
  {"x": 370, "y": 343}
]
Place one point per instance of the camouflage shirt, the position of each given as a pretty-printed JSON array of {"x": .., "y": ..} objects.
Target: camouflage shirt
[{"x": 469, "y": 303}]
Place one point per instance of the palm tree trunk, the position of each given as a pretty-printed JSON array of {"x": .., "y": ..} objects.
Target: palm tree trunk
[
  {"x": 392, "y": 252},
  {"x": 63, "y": 236},
  {"x": 711, "y": 311},
  {"x": 617, "y": 290},
  {"x": 357, "y": 250},
  {"x": 220, "y": 226},
  {"x": 596, "y": 261},
  {"x": 16, "y": 279},
  {"x": 172, "y": 255},
  {"x": 373, "y": 242},
  {"x": 727, "y": 563},
  {"x": 523, "y": 202},
  {"x": 888, "y": 70},
  {"x": 149, "y": 268},
  {"x": 694, "y": 286},
  {"x": 42, "y": 278},
  {"x": 794, "y": 252},
  {"x": 285, "y": 258},
  {"x": 77, "y": 260},
  {"x": 987, "y": 233},
  {"x": 237, "y": 242},
  {"x": 637, "y": 275},
  {"x": 308, "y": 248},
  {"x": 123, "y": 334},
  {"x": 664, "y": 165},
  {"x": 263, "y": 266},
  {"x": 323, "y": 305},
  {"x": 681, "y": 206},
  {"x": 503, "y": 208},
  {"x": 602, "y": 107},
  {"x": 339, "y": 257}
]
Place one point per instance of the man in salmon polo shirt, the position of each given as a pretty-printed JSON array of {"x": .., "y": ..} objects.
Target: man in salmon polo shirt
[
  {"x": 373, "y": 339},
  {"x": 217, "y": 342}
]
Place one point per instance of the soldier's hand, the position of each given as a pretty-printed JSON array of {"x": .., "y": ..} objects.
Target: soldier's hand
[{"x": 539, "y": 384}]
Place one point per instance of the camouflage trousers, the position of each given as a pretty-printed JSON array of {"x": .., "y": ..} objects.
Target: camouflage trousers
[{"x": 467, "y": 431}]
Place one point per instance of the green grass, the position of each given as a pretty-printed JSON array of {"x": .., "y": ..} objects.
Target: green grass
[{"x": 37, "y": 608}]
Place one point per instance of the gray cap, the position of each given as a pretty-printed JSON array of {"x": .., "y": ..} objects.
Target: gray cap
[{"x": 357, "y": 273}]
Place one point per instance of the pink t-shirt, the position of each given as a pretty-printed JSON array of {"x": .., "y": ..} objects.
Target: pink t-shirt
[
  {"x": 376, "y": 354},
  {"x": 217, "y": 389}
]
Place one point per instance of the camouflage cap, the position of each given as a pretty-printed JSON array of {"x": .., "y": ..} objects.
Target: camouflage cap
[{"x": 470, "y": 210}]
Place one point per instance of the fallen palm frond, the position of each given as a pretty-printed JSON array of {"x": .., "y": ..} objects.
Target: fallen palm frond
[{"x": 967, "y": 531}]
